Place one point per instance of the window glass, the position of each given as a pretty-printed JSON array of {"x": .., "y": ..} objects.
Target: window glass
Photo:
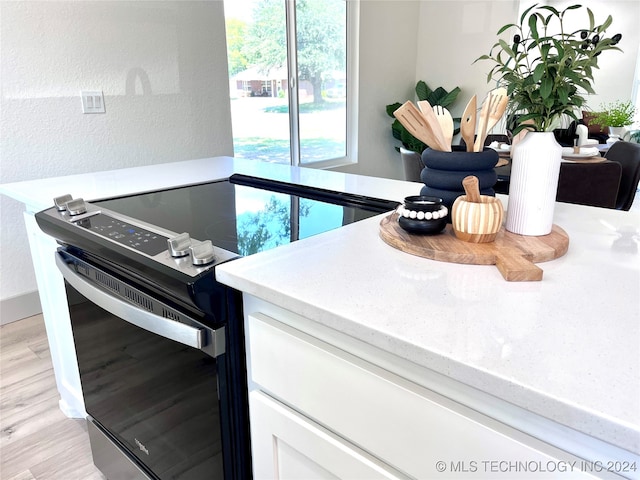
[
  {"x": 261, "y": 103},
  {"x": 322, "y": 79}
]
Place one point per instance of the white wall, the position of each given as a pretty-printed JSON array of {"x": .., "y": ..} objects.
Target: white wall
[
  {"x": 439, "y": 40},
  {"x": 388, "y": 49},
  {"x": 162, "y": 67},
  {"x": 453, "y": 35}
]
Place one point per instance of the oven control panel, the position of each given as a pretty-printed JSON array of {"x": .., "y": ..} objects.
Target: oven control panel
[
  {"x": 177, "y": 251},
  {"x": 125, "y": 233}
]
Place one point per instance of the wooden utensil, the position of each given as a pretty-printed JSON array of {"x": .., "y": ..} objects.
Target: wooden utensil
[
  {"x": 471, "y": 188},
  {"x": 430, "y": 116},
  {"x": 493, "y": 109},
  {"x": 446, "y": 123},
  {"x": 500, "y": 105},
  {"x": 483, "y": 122},
  {"x": 416, "y": 124},
  {"x": 468, "y": 123}
]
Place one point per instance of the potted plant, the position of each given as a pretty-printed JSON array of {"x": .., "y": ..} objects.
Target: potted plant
[
  {"x": 411, "y": 147},
  {"x": 616, "y": 116},
  {"x": 546, "y": 69}
]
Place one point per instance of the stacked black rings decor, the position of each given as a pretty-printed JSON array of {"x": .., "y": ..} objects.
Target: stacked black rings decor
[
  {"x": 444, "y": 172},
  {"x": 423, "y": 215}
]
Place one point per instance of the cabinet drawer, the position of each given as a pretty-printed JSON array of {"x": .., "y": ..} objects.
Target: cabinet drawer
[
  {"x": 287, "y": 446},
  {"x": 415, "y": 430}
]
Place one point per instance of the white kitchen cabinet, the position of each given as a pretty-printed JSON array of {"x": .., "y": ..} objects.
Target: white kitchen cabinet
[
  {"x": 287, "y": 446},
  {"x": 316, "y": 409},
  {"x": 53, "y": 299}
]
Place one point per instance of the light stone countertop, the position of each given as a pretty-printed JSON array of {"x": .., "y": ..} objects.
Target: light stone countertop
[
  {"x": 39, "y": 194},
  {"x": 566, "y": 348}
]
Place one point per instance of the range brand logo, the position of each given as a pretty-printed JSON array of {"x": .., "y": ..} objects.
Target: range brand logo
[{"x": 141, "y": 446}]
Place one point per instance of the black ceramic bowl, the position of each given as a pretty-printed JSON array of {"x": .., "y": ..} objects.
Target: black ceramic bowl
[
  {"x": 423, "y": 204},
  {"x": 424, "y": 227}
]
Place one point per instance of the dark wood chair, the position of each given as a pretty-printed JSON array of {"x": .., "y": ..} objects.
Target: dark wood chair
[
  {"x": 594, "y": 184},
  {"x": 627, "y": 154}
]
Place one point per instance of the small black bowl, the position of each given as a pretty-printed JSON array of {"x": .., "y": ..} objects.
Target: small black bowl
[
  {"x": 422, "y": 203},
  {"x": 424, "y": 227}
]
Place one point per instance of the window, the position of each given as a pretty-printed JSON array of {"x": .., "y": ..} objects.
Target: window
[{"x": 303, "y": 118}]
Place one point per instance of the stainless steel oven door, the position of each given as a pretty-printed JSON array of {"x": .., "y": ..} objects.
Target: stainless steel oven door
[{"x": 149, "y": 375}]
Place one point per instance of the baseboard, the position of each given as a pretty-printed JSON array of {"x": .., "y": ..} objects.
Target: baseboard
[{"x": 19, "y": 307}]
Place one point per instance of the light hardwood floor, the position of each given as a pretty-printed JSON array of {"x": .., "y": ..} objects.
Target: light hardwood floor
[{"x": 37, "y": 441}]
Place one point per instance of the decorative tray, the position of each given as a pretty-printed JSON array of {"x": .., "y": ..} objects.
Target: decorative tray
[{"x": 514, "y": 255}]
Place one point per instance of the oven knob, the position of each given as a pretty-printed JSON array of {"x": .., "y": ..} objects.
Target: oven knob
[
  {"x": 179, "y": 245},
  {"x": 202, "y": 253},
  {"x": 76, "y": 206},
  {"x": 61, "y": 202}
]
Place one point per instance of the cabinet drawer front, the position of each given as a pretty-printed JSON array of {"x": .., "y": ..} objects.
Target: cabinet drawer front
[
  {"x": 287, "y": 446},
  {"x": 415, "y": 430}
]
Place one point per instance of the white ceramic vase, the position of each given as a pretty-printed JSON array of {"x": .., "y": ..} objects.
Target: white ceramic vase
[
  {"x": 615, "y": 133},
  {"x": 533, "y": 185}
]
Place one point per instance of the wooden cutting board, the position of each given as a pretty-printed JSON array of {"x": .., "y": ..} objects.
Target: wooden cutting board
[{"x": 514, "y": 255}]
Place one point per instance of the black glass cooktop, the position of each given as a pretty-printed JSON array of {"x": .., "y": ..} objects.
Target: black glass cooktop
[{"x": 245, "y": 215}]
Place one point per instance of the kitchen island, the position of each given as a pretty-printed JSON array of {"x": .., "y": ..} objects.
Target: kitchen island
[
  {"x": 553, "y": 365},
  {"x": 557, "y": 359}
]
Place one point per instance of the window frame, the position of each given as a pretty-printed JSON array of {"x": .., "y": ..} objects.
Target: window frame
[{"x": 351, "y": 135}]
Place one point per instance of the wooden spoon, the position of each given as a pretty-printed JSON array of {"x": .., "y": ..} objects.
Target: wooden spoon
[
  {"x": 468, "y": 123},
  {"x": 434, "y": 125},
  {"x": 471, "y": 188},
  {"x": 483, "y": 122}
]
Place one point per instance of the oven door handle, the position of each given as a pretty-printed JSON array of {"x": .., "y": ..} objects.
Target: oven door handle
[{"x": 176, "y": 331}]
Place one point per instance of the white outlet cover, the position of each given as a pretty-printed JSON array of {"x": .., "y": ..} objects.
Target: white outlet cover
[{"x": 92, "y": 102}]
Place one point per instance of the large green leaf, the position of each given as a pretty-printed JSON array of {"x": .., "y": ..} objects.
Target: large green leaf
[
  {"x": 505, "y": 27},
  {"x": 546, "y": 86},
  {"x": 533, "y": 26},
  {"x": 422, "y": 90},
  {"x": 507, "y": 48},
  {"x": 551, "y": 9},
  {"x": 563, "y": 94},
  {"x": 392, "y": 108},
  {"x": 441, "y": 97},
  {"x": 538, "y": 72}
]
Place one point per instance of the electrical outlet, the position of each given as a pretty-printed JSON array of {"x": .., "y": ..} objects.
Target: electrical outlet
[{"x": 92, "y": 102}]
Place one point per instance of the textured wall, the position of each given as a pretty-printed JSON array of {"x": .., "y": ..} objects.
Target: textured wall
[
  {"x": 468, "y": 30},
  {"x": 162, "y": 67}
]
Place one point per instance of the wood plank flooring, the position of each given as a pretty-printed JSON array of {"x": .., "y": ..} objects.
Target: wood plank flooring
[{"x": 37, "y": 441}]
